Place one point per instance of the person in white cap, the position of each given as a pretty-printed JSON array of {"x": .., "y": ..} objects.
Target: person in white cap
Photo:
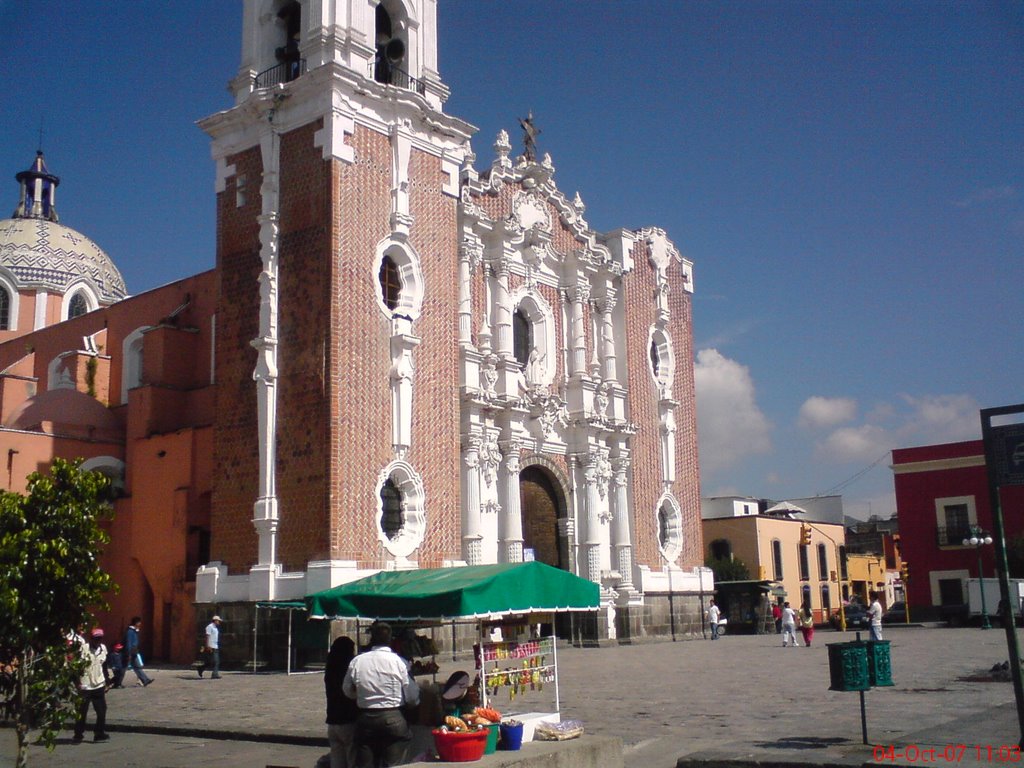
[
  {"x": 212, "y": 648},
  {"x": 93, "y": 687}
]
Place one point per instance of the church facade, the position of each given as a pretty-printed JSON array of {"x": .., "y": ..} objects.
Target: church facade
[{"x": 414, "y": 360}]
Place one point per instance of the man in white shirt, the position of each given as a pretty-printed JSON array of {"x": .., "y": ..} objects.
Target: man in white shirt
[
  {"x": 714, "y": 614},
  {"x": 93, "y": 686},
  {"x": 788, "y": 625},
  {"x": 212, "y": 648},
  {"x": 875, "y": 614},
  {"x": 380, "y": 682}
]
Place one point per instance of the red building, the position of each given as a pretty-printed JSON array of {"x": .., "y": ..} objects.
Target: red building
[{"x": 942, "y": 494}]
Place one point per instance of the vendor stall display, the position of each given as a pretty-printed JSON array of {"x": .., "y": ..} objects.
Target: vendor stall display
[{"x": 518, "y": 666}]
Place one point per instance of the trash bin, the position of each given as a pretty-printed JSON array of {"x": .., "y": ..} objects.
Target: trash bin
[
  {"x": 848, "y": 666},
  {"x": 879, "y": 663}
]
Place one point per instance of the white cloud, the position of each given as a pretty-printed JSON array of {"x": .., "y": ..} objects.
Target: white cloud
[
  {"x": 921, "y": 420},
  {"x": 730, "y": 425},
  {"x": 942, "y": 418},
  {"x": 987, "y": 195},
  {"x": 824, "y": 412},
  {"x": 857, "y": 444}
]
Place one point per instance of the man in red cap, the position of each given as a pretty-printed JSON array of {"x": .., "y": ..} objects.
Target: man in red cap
[{"x": 93, "y": 687}]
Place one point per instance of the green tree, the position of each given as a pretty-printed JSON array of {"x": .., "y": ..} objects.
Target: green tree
[
  {"x": 726, "y": 569},
  {"x": 50, "y": 582}
]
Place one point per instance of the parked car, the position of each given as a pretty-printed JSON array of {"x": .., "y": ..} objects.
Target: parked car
[
  {"x": 856, "y": 617},
  {"x": 897, "y": 613}
]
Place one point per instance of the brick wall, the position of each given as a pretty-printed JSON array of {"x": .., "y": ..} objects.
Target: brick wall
[
  {"x": 235, "y": 454},
  {"x": 304, "y": 300}
]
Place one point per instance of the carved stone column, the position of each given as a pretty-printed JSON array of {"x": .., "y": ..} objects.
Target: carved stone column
[
  {"x": 471, "y": 537},
  {"x": 608, "y": 339},
  {"x": 510, "y": 522},
  {"x": 596, "y": 476},
  {"x": 579, "y": 297},
  {"x": 621, "y": 539},
  {"x": 470, "y": 253},
  {"x": 401, "y": 378},
  {"x": 503, "y": 308},
  {"x": 265, "y": 509}
]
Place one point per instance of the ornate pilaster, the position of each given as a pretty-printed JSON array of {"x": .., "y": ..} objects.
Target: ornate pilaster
[
  {"x": 510, "y": 522},
  {"x": 605, "y": 308},
  {"x": 470, "y": 253},
  {"x": 265, "y": 509},
  {"x": 579, "y": 296},
  {"x": 471, "y": 538},
  {"x": 621, "y": 539},
  {"x": 596, "y": 475},
  {"x": 503, "y": 307}
]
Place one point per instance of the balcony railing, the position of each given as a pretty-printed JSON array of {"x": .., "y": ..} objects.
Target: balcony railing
[
  {"x": 389, "y": 74},
  {"x": 284, "y": 72},
  {"x": 953, "y": 537}
]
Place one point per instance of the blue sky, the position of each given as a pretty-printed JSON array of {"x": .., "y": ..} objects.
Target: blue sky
[{"x": 848, "y": 179}]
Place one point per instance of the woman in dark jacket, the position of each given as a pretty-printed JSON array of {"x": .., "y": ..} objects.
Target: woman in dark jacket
[{"x": 341, "y": 710}]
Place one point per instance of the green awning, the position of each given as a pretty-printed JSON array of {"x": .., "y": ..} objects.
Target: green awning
[
  {"x": 442, "y": 594},
  {"x": 290, "y": 605}
]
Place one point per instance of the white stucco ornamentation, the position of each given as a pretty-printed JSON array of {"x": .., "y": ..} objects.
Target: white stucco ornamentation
[{"x": 414, "y": 519}]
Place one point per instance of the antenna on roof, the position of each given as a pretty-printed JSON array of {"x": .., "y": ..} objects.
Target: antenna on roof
[{"x": 40, "y": 134}]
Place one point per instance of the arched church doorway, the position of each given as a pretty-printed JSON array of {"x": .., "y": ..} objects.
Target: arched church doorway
[{"x": 543, "y": 504}]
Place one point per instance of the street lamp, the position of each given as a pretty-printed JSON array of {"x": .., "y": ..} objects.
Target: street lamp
[{"x": 979, "y": 539}]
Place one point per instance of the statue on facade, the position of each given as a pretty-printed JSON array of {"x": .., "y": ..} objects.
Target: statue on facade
[{"x": 530, "y": 133}]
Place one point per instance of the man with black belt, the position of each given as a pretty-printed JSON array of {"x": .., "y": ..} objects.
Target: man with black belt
[{"x": 380, "y": 682}]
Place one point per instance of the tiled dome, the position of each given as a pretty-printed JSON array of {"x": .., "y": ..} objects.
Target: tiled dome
[
  {"x": 44, "y": 254},
  {"x": 40, "y": 253}
]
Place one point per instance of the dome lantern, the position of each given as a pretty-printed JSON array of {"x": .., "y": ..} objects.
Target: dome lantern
[{"x": 38, "y": 190}]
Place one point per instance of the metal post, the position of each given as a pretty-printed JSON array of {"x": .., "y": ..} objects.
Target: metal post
[
  {"x": 981, "y": 585},
  {"x": 1002, "y": 569}
]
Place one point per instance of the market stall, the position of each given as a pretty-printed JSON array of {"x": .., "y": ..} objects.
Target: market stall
[{"x": 508, "y": 594}]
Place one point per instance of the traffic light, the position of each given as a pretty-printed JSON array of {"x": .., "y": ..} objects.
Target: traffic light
[
  {"x": 905, "y": 571},
  {"x": 805, "y": 535},
  {"x": 896, "y": 542}
]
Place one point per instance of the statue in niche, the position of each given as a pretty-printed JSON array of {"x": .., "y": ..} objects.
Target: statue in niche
[
  {"x": 530, "y": 133},
  {"x": 535, "y": 368}
]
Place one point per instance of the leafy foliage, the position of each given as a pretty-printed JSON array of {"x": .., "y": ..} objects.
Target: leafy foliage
[
  {"x": 50, "y": 582},
  {"x": 728, "y": 569}
]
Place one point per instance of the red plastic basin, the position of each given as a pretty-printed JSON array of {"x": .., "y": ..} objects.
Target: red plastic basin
[{"x": 453, "y": 747}]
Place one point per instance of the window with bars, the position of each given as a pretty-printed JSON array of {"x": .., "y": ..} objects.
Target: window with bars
[
  {"x": 390, "y": 283},
  {"x": 5, "y": 310},
  {"x": 522, "y": 337},
  {"x": 805, "y": 566},
  {"x": 392, "y": 519},
  {"x": 822, "y": 562},
  {"x": 77, "y": 306},
  {"x": 777, "y": 560}
]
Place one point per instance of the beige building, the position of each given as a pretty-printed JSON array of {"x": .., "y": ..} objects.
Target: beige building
[
  {"x": 771, "y": 549},
  {"x": 867, "y": 573}
]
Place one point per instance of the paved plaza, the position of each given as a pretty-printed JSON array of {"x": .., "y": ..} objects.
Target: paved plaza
[{"x": 740, "y": 700}]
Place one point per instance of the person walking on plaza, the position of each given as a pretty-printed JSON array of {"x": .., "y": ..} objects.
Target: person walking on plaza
[
  {"x": 131, "y": 651},
  {"x": 713, "y": 616},
  {"x": 806, "y": 624},
  {"x": 212, "y": 648},
  {"x": 777, "y": 615},
  {"x": 341, "y": 710},
  {"x": 875, "y": 614},
  {"x": 380, "y": 682},
  {"x": 788, "y": 624},
  {"x": 93, "y": 687},
  {"x": 115, "y": 663}
]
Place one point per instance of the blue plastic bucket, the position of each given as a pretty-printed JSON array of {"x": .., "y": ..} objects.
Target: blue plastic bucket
[{"x": 511, "y": 737}]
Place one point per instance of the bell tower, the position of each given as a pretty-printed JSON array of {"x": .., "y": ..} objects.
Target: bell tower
[{"x": 337, "y": 181}]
